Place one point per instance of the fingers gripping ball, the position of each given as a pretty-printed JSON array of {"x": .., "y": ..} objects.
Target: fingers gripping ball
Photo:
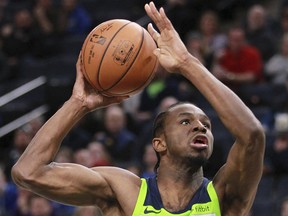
[{"x": 118, "y": 57}]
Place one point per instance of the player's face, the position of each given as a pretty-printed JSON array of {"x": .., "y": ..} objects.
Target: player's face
[{"x": 188, "y": 135}]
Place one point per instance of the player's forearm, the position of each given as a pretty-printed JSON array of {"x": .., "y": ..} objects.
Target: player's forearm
[
  {"x": 233, "y": 112},
  {"x": 44, "y": 146}
]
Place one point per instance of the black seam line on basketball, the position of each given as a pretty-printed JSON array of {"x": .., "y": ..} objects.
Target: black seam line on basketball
[
  {"x": 144, "y": 83},
  {"x": 123, "y": 75},
  {"x": 98, "y": 74}
]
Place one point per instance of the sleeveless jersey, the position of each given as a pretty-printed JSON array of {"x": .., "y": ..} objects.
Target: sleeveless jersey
[{"x": 204, "y": 202}]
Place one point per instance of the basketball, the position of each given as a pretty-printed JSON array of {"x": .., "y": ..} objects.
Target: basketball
[{"x": 118, "y": 58}]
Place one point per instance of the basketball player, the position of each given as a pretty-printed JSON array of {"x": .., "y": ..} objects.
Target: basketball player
[{"x": 182, "y": 139}]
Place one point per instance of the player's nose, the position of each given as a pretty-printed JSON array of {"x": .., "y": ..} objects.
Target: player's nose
[{"x": 199, "y": 127}]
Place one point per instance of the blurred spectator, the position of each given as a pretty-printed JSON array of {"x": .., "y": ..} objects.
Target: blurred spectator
[
  {"x": 45, "y": 15},
  {"x": 88, "y": 211},
  {"x": 276, "y": 68},
  {"x": 64, "y": 155},
  {"x": 117, "y": 139},
  {"x": 133, "y": 167},
  {"x": 213, "y": 40},
  {"x": 259, "y": 31},
  {"x": 46, "y": 24},
  {"x": 239, "y": 63},
  {"x": 83, "y": 157},
  {"x": 3, "y": 183},
  {"x": 18, "y": 39},
  {"x": 193, "y": 43},
  {"x": 36, "y": 124},
  {"x": 4, "y": 15},
  {"x": 4, "y": 68},
  {"x": 277, "y": 153},
  {"x": 23, "y": 206},
  {"x": 39, "y": 206},
  {"x": 21, "y": 138},
  {"x": 149, "y": 161},
  {"x": 99, "y": 154},
  {"x": 283, "y": 22},
  {"x": 78, "y": 137},
  {"x": 73, "y": 19},
  {"x": 284, "y": 207}
]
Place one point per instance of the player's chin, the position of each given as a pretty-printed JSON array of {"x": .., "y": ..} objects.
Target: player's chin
[{"x": 198, "y": 160}]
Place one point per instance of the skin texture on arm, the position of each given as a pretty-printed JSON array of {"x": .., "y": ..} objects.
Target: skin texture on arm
[
  {"x": 72, "y": 183},
  {"x": 235, "y": 185}
]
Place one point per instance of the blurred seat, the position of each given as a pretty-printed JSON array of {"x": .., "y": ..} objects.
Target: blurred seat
[
  {"x": 281, "y": 190},
  {"x": 264, "y": 201},
  {"x": 257, "y": 94},
  {"x": 264, "y": 94},
  {"x": 101, "y": 11},
  {"x": 265, "y": 189},
  {"x": 264, "y": 208},
  {"x": 60, "y": 66},
  {"x": 71, "y": 45}
]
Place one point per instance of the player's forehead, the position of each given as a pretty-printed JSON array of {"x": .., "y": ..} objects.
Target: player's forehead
[{"x": 185, "y": 109}]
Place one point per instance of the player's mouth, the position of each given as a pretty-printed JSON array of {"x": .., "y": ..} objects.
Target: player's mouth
[{"x": 199, "y": 142}]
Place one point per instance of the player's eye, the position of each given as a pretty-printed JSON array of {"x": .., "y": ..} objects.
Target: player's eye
[
  {"x": 207, "y": 125},
  {"x": 185, "y": 122}
]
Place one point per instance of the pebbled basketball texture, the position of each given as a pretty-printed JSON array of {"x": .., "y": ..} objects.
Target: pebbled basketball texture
[{"x": 118, "y": 58}]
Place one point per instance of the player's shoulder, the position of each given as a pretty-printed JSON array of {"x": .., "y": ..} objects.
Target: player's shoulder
[{"x": 116, "y": 174}]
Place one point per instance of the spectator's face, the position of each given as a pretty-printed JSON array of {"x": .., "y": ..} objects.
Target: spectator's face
[
  {"x": 209, "y": 23},
  {"x": 40, "y": 207},
  {"x": 236, "y": 39},
  {"x": 23, "y": 19},
  {"x": 45, "y": 3},
  {"x": 256, "y": 17},
  {"x": 150, "y": 158},
  {"x": 114, "y": 119},
  {"x": 21, "y": 139},
  {"x": 69, "y": 4},
  {"x": 83, "y": 157}
]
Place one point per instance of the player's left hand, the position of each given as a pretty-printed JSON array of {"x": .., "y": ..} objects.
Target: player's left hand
[{"x": 171, "y": 51}]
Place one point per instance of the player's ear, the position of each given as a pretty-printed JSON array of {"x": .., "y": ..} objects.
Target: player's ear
[{"x": 159, "y": 144}]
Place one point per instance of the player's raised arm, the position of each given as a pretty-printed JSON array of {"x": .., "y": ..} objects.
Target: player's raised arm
[
  {"x": 236, "y": 183},
  {"x": 68, "y": 183}
]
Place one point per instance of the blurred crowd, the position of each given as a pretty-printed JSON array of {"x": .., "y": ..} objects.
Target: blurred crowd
[{"x": 242, "y": 43}]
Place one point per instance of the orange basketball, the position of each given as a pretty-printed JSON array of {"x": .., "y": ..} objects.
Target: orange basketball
[{"x": 118, "y": 57}]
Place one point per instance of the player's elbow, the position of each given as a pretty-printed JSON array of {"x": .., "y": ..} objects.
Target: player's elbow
[
  {"x": 256, "y": 137},
  {"x": 21, "y": 177}
]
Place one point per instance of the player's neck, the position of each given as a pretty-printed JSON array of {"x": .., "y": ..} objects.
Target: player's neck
[
  {"x": 182, "y": 177},
  {"x": 183, "y": 189}
]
